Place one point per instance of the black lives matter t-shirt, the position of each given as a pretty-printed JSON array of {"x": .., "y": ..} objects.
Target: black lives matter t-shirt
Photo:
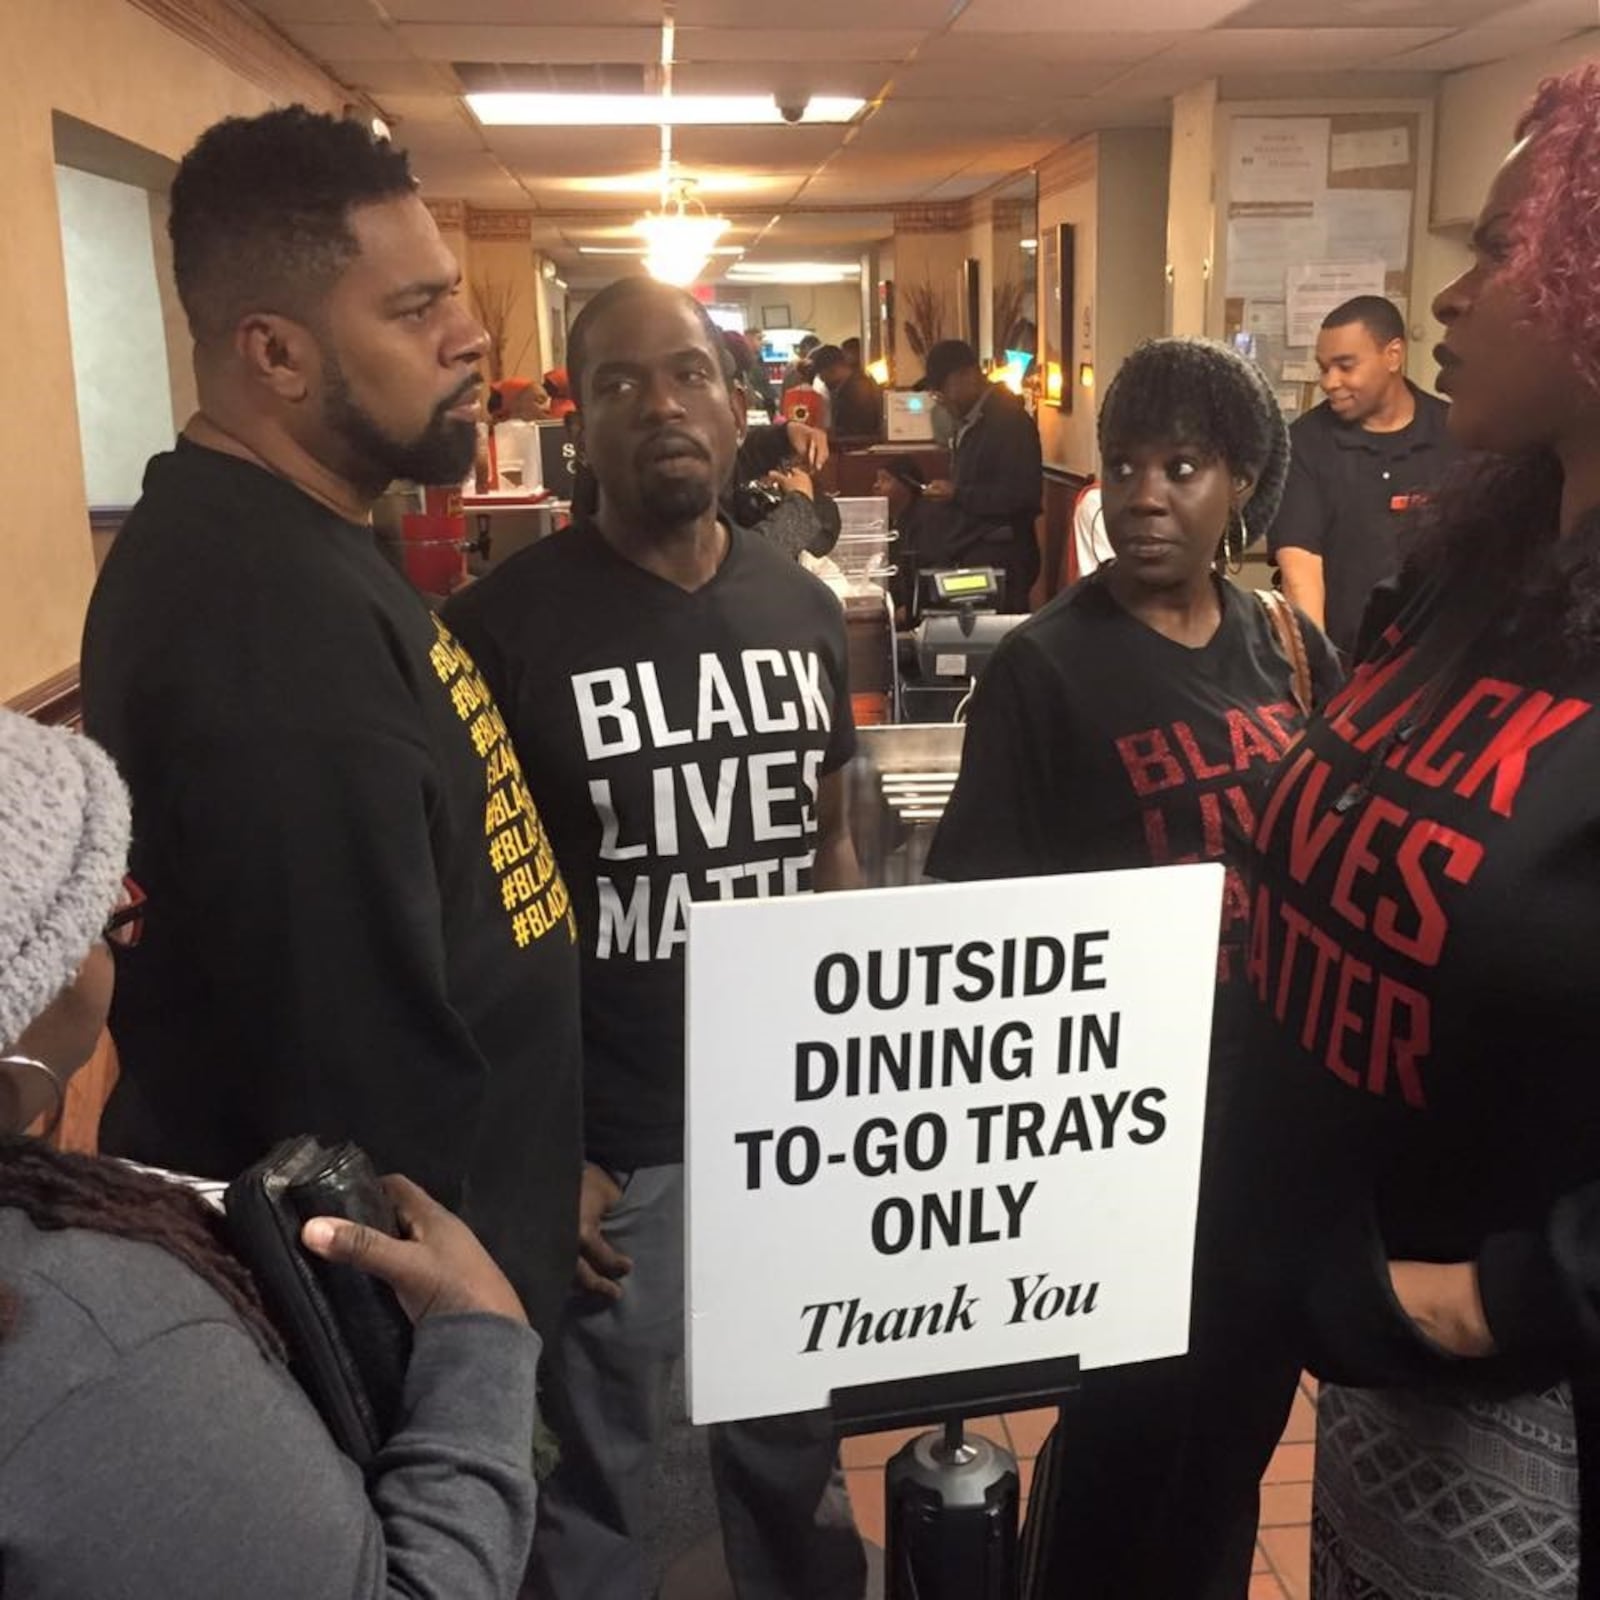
[
  {"x": 675, "y": 743},
  {"x": 1426, "y": 931},
  {"x": 1095, "y": 743},
  {"x": 355, "y": 925}
]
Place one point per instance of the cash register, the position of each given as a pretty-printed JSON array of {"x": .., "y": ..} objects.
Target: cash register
[{"x": 959, "y": 628}]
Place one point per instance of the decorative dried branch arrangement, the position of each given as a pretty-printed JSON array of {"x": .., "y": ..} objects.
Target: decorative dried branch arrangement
[
  {"x": 1009, "y": 299},
  {"x": 496, "y": 300},
  {"x": 928, "y": 310}
]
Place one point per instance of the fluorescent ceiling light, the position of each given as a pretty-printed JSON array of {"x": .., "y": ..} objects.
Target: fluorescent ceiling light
[
  {"x": 1028, "y": 244},
  {"x": 508, "y": 108},
  {"x": 793, "y": 272}
]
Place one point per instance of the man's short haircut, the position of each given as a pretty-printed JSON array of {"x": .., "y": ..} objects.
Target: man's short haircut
[
  {"x": 947, "y": 358},
  {"x": 827, "y": 356},
  {"x": 621, "y": 292},
  {"x": 1381, "y": 318},
  {"x": 260, "y": 217}
]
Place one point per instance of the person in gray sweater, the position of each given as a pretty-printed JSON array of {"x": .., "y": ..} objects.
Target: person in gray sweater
[{"x": 153, "y": 1445}]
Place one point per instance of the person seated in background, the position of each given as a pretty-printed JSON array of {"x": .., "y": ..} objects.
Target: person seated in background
[
  {"x": 855, "y": 402},
  {"x": 518, "y": 400},
  {"x": 1374, "y": 450},
  {"x": 774, "y": 493},
  {"x": 997, "y": 488},
  {"x": 560, "y": 392},
  {"x": 152, "y": 1441}
]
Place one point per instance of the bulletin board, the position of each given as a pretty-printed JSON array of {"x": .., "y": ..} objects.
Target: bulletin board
[{"x": 1319, "y": 209}]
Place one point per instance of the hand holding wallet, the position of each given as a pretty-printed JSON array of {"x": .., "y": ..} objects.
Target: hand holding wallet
[{"x": 349, "y": 1339}]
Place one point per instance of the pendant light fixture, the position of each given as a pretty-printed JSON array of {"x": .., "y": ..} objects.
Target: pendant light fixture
[{"x": 680, "y": 237}]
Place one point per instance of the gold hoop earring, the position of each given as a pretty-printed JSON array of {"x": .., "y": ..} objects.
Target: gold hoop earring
[{"x": 58, "y": 1095}]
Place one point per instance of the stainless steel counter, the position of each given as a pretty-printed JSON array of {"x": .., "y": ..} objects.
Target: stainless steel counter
[{"x": 896, "y": 788}]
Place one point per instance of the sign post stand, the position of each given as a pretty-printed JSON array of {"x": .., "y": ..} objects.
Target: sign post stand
[{"x": 943, "y": 1150}]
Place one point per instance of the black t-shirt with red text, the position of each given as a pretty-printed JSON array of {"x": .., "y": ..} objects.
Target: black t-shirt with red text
[
  {"x": 1095, "y": 743},
  {"x": 675, "y": 743},
  {"x": 1425, "y": 1068}
]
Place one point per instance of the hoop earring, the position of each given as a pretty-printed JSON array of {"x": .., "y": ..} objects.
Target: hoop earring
[
  {"x": 58, "y": 1095},
  {"x": 1233, "y": 548}
]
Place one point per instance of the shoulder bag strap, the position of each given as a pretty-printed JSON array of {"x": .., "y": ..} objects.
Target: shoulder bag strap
[{"x": 1286, "y": 625}]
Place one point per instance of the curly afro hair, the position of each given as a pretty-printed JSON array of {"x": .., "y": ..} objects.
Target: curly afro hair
[
  {"x": 1210, "y": 397},
  {"x": 1557, "y": 233}
]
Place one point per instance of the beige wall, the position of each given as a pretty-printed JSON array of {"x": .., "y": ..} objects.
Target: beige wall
[
  {"x": 1129, "y": 302},
  {"x": 109, "y": 64},
  {"x": 1478, "y": 112},
  {"x": 1191, "y": 210}
]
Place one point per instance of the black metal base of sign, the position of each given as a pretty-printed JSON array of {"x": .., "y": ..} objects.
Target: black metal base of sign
[{"x": 953, "y": 1396}]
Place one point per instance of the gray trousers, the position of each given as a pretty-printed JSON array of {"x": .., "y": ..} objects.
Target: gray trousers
[{"x": 787, "y": 1528}]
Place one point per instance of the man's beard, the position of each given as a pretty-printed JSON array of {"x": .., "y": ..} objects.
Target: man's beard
[
  {"x": 440, "y": 454},
  {"x": 675, "y": 501}
]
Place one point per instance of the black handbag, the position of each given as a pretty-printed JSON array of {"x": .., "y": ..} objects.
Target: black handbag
[{"x": 349, "y": 1339}]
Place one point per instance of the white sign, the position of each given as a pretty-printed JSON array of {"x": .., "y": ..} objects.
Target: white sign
[
  {"x": 1316, "y": 287},
  {"x": 1261, "y": 250},
  {"x": 1370, "y": 148},
  {"x": 1278, "y": 160},
  {"x": 1369, "y": 225},
  {"x": 943, "y": 1128}
]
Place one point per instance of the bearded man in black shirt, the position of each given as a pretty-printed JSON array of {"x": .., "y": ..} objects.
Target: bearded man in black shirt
[
  {"x": 355, "y": 925},
  {"x": 677, "y": 690}
]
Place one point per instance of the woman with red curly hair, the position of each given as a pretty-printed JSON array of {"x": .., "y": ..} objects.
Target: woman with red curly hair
[{"x": 1424, "y": 1112}]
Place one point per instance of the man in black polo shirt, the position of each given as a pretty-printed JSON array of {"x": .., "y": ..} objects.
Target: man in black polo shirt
[{"x": 1372, "y": 451}]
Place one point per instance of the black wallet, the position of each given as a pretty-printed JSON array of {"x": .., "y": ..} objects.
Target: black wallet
[{"x": 349, "y": 1340}]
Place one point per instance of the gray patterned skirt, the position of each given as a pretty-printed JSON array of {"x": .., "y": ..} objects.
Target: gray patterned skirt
[{"x": 1428, "y": 1499}]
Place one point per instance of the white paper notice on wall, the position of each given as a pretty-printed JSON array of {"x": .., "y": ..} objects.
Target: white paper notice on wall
[
  {"x": 1369, "y": 225},
  {"x": 1317, "y": 287},
  {"x": 941, "y": 1129},
  {"x": 1278, "y": 160},
  {"x": 1370, "y": 148}
]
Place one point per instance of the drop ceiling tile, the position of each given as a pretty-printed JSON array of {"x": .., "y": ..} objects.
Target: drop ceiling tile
[
  {"x": 784, "y": 149},
  {"x": 851, "y": 14},
  {"x": 1092, "y": 16},
  {"x": 1369, "y": 83},
  {"x": 862, "y": 79},
  {"x": 1363, "y": 13},
  {"x": 789, "y": 44},
  {"x": 1301, "y": 49},
  {"x": 1160, "y": 78},
  {"x": 487, "y": 42},
  {"x": 527, "y": 13},
  {"x": 1073, "y": 48},
  {"x": 334, "y": 41},
  {"x": 1473, "y": 47},
  {"x": 403, "y": 78},
  {"x": 285, "y": 11},
  {"x": 909, "y": 122},
  {"x": 409, "y": 110},
  {"x": 956, "y": 81}
]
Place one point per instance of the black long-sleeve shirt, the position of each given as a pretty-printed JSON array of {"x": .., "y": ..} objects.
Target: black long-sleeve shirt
[
  {"x": 998, "y": 477},
  {"x": 355, "y": 926},
  {"x": 1424, "y": 1083}
]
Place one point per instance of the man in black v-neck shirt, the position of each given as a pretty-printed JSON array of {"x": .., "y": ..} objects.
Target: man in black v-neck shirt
[
  {"x": 1375, "y": 450},
  {"x": 677, "y": 691}
]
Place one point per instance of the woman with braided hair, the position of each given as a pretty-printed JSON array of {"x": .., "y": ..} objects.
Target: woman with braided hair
[
  {"x": 1135, "y": 721},
  {"x": 152, "y": 1442}
]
